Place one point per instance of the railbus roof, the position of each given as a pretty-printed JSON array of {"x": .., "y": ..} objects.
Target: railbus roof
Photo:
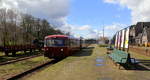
[
  {"x": 60, "y": 36},
  {"x": 53, "y": 36}
]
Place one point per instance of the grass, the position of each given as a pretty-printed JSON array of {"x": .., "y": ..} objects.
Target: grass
[
  {"x": 139, "y": 56},
  {"x": 81, "y": 66},
  {"x": 138, "y": 47},
  {"x": 103, "y": 45},
  {"x": 20, "y": 54},
  {"x": 11, "y": 69},
  {"x": 1, "y": 53},
  {"x": 73, "y": 66}
]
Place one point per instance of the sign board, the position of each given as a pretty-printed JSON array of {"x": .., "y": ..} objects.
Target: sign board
[
  {"x": 122, "y": 39},
  {"x": 127, "y": 38}
]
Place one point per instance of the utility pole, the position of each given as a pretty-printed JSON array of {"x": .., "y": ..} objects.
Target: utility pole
[
  {"x": 103, "y": 34},
  {"x": 103, "y": 31}
]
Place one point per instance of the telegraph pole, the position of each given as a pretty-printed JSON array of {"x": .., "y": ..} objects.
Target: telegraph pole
[
  {"x": 103, "y": 34},
  {"x": 103, "y": 31}
]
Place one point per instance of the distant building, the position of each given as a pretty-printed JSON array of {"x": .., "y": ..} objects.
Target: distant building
[
  {"x": 132, "y": 34},
  {"x": 146, "y": 35},
  {"x": 138, "y": 38},
  {"x": 103, "y": 40},
  {"x": 140, "y": 33},
  {"x": 140, "y": 26},
  {"x": 91, "y": 41}
]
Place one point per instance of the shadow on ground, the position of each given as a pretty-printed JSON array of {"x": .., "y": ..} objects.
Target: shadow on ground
[
  {"x": 142, "y": 65},
  {"x": 84, "y": 52},
  {"x": 145, "y": 62}
]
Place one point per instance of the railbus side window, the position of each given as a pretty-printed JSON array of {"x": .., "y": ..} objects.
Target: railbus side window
[
  {"x": 66, "y": 42},
  {"x": 45, "y": 42}
]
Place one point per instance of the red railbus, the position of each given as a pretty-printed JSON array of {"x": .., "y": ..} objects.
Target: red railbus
[{"x": 60, "y": 46}]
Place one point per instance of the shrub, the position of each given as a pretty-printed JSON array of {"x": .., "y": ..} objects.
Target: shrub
[{"x": 103, "y": 45}]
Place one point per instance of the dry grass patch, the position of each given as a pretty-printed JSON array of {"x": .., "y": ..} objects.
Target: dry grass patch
[{"x": 12, "y": 69}]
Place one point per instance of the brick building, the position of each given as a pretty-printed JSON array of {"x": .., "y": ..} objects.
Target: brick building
[{"x": 140, "y": 33}]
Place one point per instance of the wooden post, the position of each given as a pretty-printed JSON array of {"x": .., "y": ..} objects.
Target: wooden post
[{"x": 80, "y": 43}]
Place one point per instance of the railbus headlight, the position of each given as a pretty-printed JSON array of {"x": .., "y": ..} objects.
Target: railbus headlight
[{"x": 61, "y": 50}]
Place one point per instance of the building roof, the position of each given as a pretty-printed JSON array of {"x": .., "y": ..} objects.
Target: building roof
[{"x": 143, "y": 24}]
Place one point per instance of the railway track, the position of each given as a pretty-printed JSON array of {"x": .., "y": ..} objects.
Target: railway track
[
  {"x": 30, "y": 71},
  {"x": 20, "y": 59}
]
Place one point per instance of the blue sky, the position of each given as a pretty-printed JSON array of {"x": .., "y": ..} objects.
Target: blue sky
[
  {"x": 96, "y": 11},
  {"x": 97, "y": 14}
]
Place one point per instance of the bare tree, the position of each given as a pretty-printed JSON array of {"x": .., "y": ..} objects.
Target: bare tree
[
  {"x": 3, "y": 25},
  {"x": 24, "y": 31}
]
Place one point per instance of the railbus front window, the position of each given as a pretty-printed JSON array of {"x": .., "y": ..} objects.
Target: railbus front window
[{"x": 56, "y": 42}]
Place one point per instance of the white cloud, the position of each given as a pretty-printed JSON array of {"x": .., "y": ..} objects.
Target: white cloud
[
  {"x": 78, "y": 31},
  {"x": 50, "y": 8},
  {"x": 110, "y": 30},
  {"x": 139, "y": 8},
  {"x": 94, "y": 33},
  {"x": 55, "y": 11},
  {"x": 110, "y": 1},
  {"x": 115, "y": 26},
  {"x": 84, "y": 27},
  {"x": 86, "y": 31}
]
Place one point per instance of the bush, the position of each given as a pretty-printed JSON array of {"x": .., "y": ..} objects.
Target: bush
[{"x": 103, "y": 45}]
